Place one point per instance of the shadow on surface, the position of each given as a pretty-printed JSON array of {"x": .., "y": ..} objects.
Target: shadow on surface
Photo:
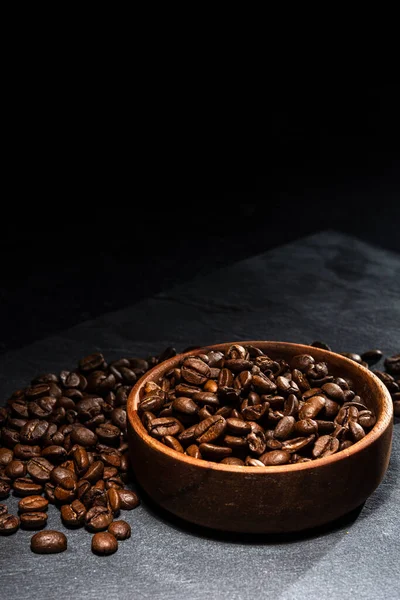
[{"x": 245, "y": 538}]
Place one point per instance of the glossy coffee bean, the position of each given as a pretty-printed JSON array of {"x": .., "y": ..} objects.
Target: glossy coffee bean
[
  {"x": 15, "y": 469},
  {"x": 8, "y": 524},
  {"x": 121, "y": 530},
  {"x": 33, "y": 504},
  {"x": 48, "y": 542},
  {"x": 24, "y": 486},
  {"x": 33, "y": 520},
  {"x": 128, "y": 499},
  {"x": 104, "y": 543},
  {"x": 73, "y": 515},
  {"x": 98, "y": 518}
]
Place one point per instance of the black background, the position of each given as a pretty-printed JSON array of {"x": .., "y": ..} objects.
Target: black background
[{"x": 83, "y": 245}]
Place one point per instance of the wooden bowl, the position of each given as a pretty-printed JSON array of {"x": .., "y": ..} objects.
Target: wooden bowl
[{"x": 277, "y": 499}]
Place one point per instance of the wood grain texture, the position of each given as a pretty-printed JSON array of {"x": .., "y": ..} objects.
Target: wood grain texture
[{"x": 326, "y": 286}]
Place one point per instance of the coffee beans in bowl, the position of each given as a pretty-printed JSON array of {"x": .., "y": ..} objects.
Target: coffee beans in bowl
[{"x": 249, "y": 436}]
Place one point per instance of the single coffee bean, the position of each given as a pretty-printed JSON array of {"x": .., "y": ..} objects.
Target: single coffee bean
[
  {"x": 210, "y": 429},
  {"x": 312, "y": 407},
  {"x": 366, "y": 419},
  {"x": 372, "y": 357},
  {"x": 235, "y": 442},
  {"x": 95, "y": 472},
  {"x": 392, "y": 365},
  {"x": 48, "y": 542},
  {"x": 73, "y": 514},
  {"x": 306, "y": 427},
  {"x": 193, "y": 451},
  {"x": 121, "y": 530},
  {"x": 356, "y": 430},
  {"x": 185, "y": 406},
  {"x": 54, "y": 453},
  {"x": 104, "y": 543},
  {"x": 296, "y": 444},
  {"x": 195, "y": 371},
  {"x": 81, "y": 460},
  {"x": 253, "y": 462},
  {"x": 6, "y": 456},
  {"x": 39, "y": 469},
  {"x": 24, "y": 486},
  {"x": 33, "y": 431},
  {"x": 321, "y": 345},
  {"x": 33, "y": 504},
  {"x": 98, "y": 518},
  {"x": 275, "y": 457},
  {"x": 114, "y": 500},
  {"x": 4, "y": 489},
  {"x": 8, "y": 524},
  {"x": 206, "y": 398},
  {"x": 91, "y": 362},
  {"x": 334, "y": 392},
  {"x": 83, "y": 437},
  {"x": 284, "y": 428},
  {"x": 129, "y": 500},
  {"x": 26, "y": 452},
  {"x": 231, "y": 460},
  {"x": 256, "y": 442},
  {"x": 63, "y": 476},
  {"x": 33, "y": 520},
  {"x": 15, "y": 469},
  {"x": 238, "y": 426},
  {"x": 163, "y": 426},
  {"x": 173, "y": 443},
  {"x": 325, "y": 446}
]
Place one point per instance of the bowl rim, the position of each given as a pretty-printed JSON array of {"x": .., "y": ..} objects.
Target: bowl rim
[{"x": 382, "y": 423}]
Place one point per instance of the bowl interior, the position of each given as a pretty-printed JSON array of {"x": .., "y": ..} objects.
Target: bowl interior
[{"x": 371, "y": 390}]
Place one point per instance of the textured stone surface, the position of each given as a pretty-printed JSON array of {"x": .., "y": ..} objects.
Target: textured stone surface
[{"x": 327, "y": 286}]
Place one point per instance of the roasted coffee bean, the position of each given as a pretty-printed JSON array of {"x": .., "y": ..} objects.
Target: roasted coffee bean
[
  {"x": 275, "y": 457},
  {"x": 6, "y": 456},
  {"x": 296, "y": 444},
  {"x": 302, "y": 362},
  {"x": 263, "y": 384},
  {"x": 73, "y": 514},
  {"x": 129, "y": 500},
  {"x": 48, "y": 542},
  {"x": 15, "y": 469},
  {"x": 121, "y": 530},
  {"x": 211, "y": 385},
  {"x": 231, "y": 460},
  {"x": 26, "y": 452},
  {"x": 83, "y": 437},
  {"x": 164, "y": 426},
  {"x": 81, "y": 460},
  {"x": 39, "y": 469},
  {"x": 312, "y": 407},
  {"x": 104, "y": 543},
  {"x": 98, "y": 518},
  {"x": 254, "y": 413},
  {"x": 33, "y": 504},
  {"x": 54, "y": 453},
  {"x": 235, "y": 442},
  {"x": 253, "y": 462},
  {"x": 356, "y": 430},
  {"x": 321, "y": 345},
  {"x": 10, "y": 437},
  {"x": 206, "y": 398},
  {"x": 256, "y": 442},
  {"x": 334, "y": 392},
  {"x": 24, "y": 486},
  {"x": 300, "y": 380},
  {"x": 173, "y": 443},
  {"x": 214, "y": 452},
  {"x": 33, "y": 431},
  {"x": 193, "y": 451},
  {"x": 188, "y": 436},
  {"x": 306, "y": 427},
  {"x": 238, "y": 426},
  {"x": 114, "y": 500},
  {"x": 392, "y": 365},
  {"x": 195, "y": 371},
  {"x": 4, "y": 489},
  {"x": 108, "y": 433},
  {"x": 345, "y": 444},
  {"x": 331, "y": 409},
  {"x": 284, "y": 428},
  {"x": 151, "y": 403},
  {"x": 210, "y": 429},
  {"x": 8, "y": 524},
  {"x": 325, "y": 446},
  {"x": 372, "y": 357},
  {"x": 33, "y": 520},
  {"x": 185, "y": 406},
  {"x": 61, "y": 475},
  {"x": 366, "y": 418}
]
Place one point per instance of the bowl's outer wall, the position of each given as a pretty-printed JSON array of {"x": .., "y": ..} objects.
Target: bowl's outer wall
[{"x": 262, "y": 502}]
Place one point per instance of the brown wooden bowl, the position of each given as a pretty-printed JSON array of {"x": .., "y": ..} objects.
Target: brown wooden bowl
[{"x": 277, "y": 499}]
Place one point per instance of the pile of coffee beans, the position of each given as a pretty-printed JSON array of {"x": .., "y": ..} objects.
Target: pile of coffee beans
[
  {"x": 63, "y": 441},
  {"x": 63, "y": 438},
  {"x": 244, "y": 408}
]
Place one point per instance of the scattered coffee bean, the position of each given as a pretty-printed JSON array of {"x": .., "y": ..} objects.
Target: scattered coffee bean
[
  {"x": 104, "y": 543},
  {"x": 121, "y": 530},
  {"x": 8, "y": 524},
  {"x": 33, "y": 504},
  {"x": 48, "y": 542},
  {"x": 33, "y": 520}
]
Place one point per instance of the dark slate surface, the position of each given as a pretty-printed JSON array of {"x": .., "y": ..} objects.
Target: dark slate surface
[{"x": 327, "y": 286}]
